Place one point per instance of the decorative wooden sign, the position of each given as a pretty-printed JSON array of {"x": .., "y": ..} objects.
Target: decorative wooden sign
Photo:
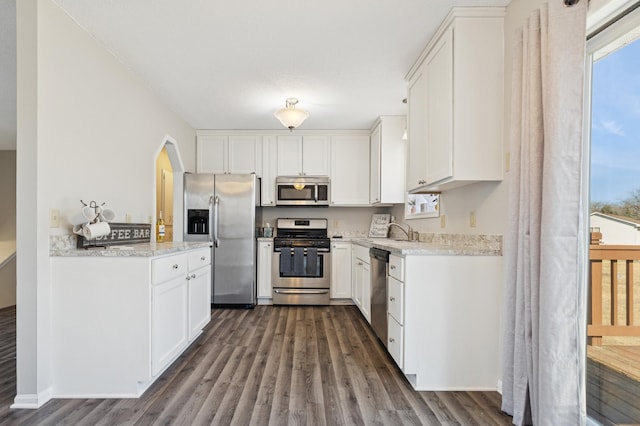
[
  {"x": 121, "y": 233},
  {"x": 379, "y": 225}
]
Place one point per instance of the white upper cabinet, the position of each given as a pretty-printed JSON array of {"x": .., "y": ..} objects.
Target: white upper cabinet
[
  {"x": 228, "y": 153},
  {"x": 439, "y": 71},
  {"x": 456, "y": 103},
  {"x": 350, "y": 170},
  {"x": 211, "y": 153},
  {"x": 417, "y": 130},
  {"x": 289, "y": 155},
  {"x": 245, "y": 154},
  {"x": 315, "y": 155},
  {"x": 269, "y": 170},
  {"x": 303, "y": 155},
  {"x": 388, "y": 151}
]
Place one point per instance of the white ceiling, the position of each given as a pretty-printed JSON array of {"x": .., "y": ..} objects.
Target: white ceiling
[{"x": 231, "y": 64}]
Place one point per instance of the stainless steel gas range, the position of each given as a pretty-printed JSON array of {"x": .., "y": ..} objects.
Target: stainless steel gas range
[{"x": 301, "y": 270}]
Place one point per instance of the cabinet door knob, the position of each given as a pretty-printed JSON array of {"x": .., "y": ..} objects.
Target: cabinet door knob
[
  {"x": 392, "y": 267},
  {"x": 203, "y": 258},
  {"x": 193, "y": 275},
  {"x": 391, "y": 340},
  {"x": 188, "y": 278},
  {"x": 268, "y": 244},
  {"x": 175, "y": 266},
  {"x": 392, "y": 298}
]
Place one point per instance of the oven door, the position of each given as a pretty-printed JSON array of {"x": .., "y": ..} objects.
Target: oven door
[{"x": 308, "y": 286}]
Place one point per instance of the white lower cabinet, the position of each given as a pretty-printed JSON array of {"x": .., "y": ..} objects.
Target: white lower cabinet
[
  {"x": 439, "y": 308},
  {"x": 395, "y": 310},
  {"x": 115, "y": 333},
  {"x": 395, "y": 343},
  {"x": 265, "y": 253},
  {"x": 199, "y": 300},
  {"x": 340, "y": 270},
  {"x": 451, "y": 310},
  {"x": 168, "y": 322},
  {"x": 361, "y": 280}
]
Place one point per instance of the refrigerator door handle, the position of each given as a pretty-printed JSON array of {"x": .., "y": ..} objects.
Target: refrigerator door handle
[
  {"x": 216, "y": 220},
  {"x": 211, "y": 218}
]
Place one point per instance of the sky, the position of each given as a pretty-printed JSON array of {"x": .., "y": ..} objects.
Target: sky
[{"x": 615, "y": 125}]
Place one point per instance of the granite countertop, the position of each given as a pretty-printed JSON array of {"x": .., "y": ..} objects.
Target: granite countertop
[
  {"x": 460, "y": 247},
  {"x": 130, "y": 250}
]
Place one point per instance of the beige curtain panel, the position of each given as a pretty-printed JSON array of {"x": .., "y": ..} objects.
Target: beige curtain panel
[{"x": 544, "y": 321}]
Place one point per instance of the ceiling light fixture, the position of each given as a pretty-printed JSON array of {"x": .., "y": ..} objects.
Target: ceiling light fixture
[{"x": 290, "y": 117}]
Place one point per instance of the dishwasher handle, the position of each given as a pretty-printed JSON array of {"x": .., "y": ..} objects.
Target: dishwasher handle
[{"x": 379, "y": 254}]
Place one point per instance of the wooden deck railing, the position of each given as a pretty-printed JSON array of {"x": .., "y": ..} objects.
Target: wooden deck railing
[{"x": 616, "y": 255}]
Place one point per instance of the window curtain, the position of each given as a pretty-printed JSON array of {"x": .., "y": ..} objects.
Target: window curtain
[{"x": 544, "y": 321}]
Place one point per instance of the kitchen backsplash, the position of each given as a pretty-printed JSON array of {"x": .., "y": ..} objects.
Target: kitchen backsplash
[
  {"x": 62, "y": 242},
  {"x": 493, "y": 242}
]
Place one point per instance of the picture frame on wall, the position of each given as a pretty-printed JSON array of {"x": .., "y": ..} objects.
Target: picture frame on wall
[{"x": 420, "y": 206}]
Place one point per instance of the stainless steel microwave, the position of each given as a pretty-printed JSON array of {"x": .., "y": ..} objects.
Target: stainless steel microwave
[{"x": 302, "y": 191}]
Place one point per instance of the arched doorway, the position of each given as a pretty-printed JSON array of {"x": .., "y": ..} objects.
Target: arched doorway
[{"x": 168, "y": 188}]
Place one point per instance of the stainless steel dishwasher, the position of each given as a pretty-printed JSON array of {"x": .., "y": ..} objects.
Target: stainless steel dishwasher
[{"x": 379, "y": 272}]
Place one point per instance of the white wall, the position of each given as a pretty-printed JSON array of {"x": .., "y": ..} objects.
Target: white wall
[
  {"x": 341, "y": 220},
  {"x": 101, "y": 125},
  {"x": 487, "y": 199},
  {"x": 87, "y": 129}
]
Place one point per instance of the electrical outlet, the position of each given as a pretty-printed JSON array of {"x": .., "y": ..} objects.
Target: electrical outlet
[
  {"x": 128, "y": 218},
  {"x": 507, "y": 161},
  {"x": 472, "y": 219},
  {"x": 443, "y": 221},
  {"x": 54, "y": 218}
]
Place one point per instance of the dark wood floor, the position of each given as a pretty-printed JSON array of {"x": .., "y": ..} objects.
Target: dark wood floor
[{"x": 269, "y": 365}]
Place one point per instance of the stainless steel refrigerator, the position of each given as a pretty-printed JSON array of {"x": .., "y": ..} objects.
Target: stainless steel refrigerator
[{"x": 224, "y": 209}]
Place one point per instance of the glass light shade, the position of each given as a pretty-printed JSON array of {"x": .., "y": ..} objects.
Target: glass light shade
[{"x": 291, "y": 117}]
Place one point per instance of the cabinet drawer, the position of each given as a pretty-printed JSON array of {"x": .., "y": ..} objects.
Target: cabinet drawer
[
  {"x": 396, "y": 267},
  {"x": 395, "y": 341},
  {"x": 361, "y": 253},
  {"x": 395, "y": 304},
  {"x": 166, "y": 268},
  {"x": 199, "y": 258}
]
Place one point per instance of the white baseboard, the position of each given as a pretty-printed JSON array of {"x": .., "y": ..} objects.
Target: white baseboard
[
  {"x": 500, "y": 387},
  {"x": 32, "y": 401}
]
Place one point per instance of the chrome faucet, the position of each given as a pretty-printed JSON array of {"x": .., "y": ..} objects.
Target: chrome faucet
[{"x": 408, "y": 232}]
